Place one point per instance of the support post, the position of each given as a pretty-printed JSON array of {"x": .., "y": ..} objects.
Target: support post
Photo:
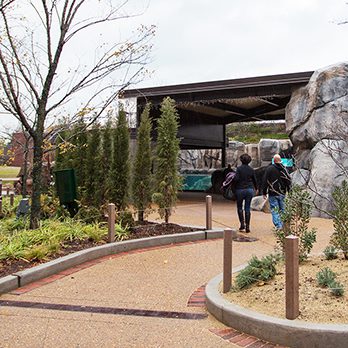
[
  {"x": 227, "y": 268},
  {"x": 208, "y": 204},
  {"x": 111, "y": 222},
  {"x": 7, "y": 191},
  {"x": 291, "y": 277},
  {"x": 11, "y": 199}
]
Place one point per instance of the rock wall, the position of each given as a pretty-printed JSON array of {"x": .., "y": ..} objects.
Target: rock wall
[
  {"x": 317, "y": 122},
  {"x": 260, "y": 153}
]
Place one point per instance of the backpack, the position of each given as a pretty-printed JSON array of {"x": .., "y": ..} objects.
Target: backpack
[{"x": 228, "y": 186}]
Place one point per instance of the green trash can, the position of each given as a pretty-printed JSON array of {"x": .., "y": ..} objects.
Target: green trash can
[
  {"x": 66, "y": 189},
  {"x": 66, "y": 185}
]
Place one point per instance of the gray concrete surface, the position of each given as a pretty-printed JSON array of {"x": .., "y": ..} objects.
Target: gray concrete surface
[
  {"x": 160, "y": 279},
  {"x": 292, "y": 333}
]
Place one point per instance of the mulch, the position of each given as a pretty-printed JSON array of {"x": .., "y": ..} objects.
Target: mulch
[{"x": 146, "y": 229}]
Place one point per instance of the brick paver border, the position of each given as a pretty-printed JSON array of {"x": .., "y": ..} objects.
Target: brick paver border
[
  {"x": 242, "y": 340},
  {"x": 198, "y": 299}
]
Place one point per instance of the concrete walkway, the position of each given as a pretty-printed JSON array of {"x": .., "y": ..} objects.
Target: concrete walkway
[{"x": 139, "y": 299}]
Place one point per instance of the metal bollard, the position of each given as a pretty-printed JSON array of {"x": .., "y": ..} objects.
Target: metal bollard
[{"x": 208, "y": 204}]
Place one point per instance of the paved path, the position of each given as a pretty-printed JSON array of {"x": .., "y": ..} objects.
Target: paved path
[{"x": 134, "y": 300}]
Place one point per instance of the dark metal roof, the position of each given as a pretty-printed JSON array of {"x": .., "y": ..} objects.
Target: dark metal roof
[
  {"x": 228, "y": 101},
  {"x": 222, "y": 85}
]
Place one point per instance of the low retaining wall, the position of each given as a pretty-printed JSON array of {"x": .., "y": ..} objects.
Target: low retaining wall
[
  {"x": 292, "y": 333},
  {"x": 44, "y": 270}
]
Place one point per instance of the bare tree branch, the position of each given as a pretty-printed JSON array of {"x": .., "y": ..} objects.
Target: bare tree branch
[{"x": 34, "y": 90}]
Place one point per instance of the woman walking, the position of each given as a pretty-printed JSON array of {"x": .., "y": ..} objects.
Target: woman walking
[{"x": 245, "y": 187}]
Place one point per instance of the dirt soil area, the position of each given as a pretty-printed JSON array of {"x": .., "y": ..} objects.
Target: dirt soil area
[
  {"x": 317, "y": 304},
  {"x": 147, "y": 229}
]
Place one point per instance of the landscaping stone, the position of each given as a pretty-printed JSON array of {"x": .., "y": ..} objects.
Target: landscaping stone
[
  {"x": 316, "y": 120},
  {"x": 258, "y": 203}
]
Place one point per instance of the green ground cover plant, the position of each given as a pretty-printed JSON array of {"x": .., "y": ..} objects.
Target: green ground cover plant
[
  {"x": 330, "y": 252},
  {"x": 326, "y": 278},
  {"x": 17, "y": 241},
  {"x": 257, "y": 270}
]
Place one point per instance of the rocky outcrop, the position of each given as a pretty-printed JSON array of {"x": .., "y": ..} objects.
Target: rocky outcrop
[
  {"x": 329, "y": 164},
  {"x": 233, "y": 152},
  {"x": 300, "y": 177},
  {"x": 319, "y": 110},
  {"x": 317, "y": 122},
  {"x": 258, "y": 203},
  {"x": 267, "y": 148}
]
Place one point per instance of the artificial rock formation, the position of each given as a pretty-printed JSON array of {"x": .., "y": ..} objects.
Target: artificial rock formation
[{"x": 317, "y": 122}]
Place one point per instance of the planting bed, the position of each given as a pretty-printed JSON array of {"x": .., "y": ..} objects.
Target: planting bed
[
  {"x": 317, "y": 304},
  {"x": 147, "y": 229}
]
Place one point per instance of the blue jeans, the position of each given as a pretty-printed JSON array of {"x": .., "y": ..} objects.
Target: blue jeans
[
  {"x": 245, "y": 195},
  {"x": 276, "y": 204}
]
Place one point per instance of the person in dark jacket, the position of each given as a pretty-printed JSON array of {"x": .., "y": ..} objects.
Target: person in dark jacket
[
  {"x": 245, "y": 187},
  {"x": 276, "y": 183}
]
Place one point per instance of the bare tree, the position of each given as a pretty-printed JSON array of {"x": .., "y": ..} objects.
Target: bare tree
[
  {"x": 5, "y": 3},
  {"x": 39, "y": 78}
]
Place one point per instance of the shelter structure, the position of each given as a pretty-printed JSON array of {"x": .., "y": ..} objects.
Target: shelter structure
[{"x": 206, "y": 108}]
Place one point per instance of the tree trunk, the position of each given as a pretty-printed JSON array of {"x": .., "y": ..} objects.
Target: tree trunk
[
  {"x": 166, "y": 215},
  {"x": 141, "y": 215},
  {"x": 37, "y": 179},
  {"x": 25, "y": 170}
]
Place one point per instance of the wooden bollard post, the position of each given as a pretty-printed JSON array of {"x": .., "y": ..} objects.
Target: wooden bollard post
[
  {"x": 291, "y": 277},
  {"x": 111, "y": 223},
  {"x": 11, "y": 199},
  {"x": 227, "y": 269},
  {"x": 208, "y": 204}
]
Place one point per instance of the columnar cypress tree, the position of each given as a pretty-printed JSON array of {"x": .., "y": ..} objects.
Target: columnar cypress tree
[
  {"x": 80, "y": 147},
  {"x": 105, "y": 160},
  {"x": 92, "y": 166},
  {"x": 119, "y": 173},
  {"x": 142, "y": 165},
  {"x": 168, "y": 179}
]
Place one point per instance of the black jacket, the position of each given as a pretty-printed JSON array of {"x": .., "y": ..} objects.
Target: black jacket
[
  {"x": 245, "y": 177},
  {"x": 276, "y": 180}
]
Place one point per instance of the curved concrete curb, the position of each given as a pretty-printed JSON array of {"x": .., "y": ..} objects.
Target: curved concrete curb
[
  {"x": 44, "y": 270},
  {"x": 293, "y": 333}
]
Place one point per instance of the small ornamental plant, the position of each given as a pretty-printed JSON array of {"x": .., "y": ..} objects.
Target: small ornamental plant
[
  {"x": 339, "y": 238},
  {"x": 330, "y": 252},
  {"x": 295, "y": 217},
  {"x": 327, "y": 278},
  {"x": 257, "y": 270},
  {"x": 336, "y": 288}
]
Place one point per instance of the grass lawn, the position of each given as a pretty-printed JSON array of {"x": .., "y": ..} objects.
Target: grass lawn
[{"x": 9, "y": 172}]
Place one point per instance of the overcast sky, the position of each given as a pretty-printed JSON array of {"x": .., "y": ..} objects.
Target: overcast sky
[
  {"x": 201, "y": 40},
  {"x": 205, "y": 40}
]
